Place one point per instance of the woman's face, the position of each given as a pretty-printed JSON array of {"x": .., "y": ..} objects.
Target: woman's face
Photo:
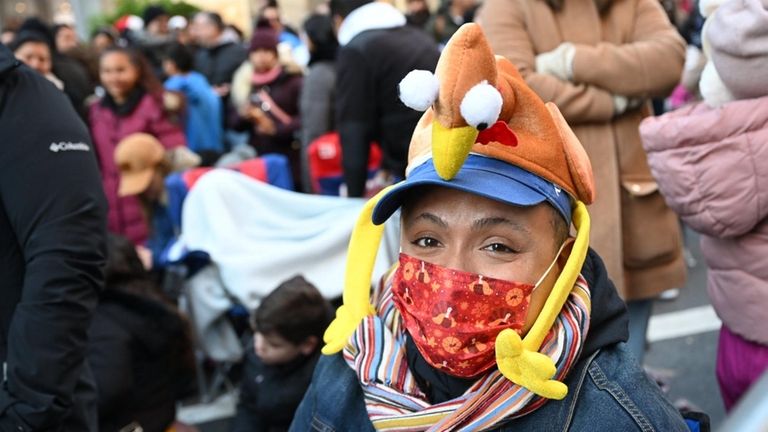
[
  {"x": 263, "y": 60},
  {"x": 36, "y": 55},
  {"x": 101, "y": 42},
  {"x": 117, "y": 74},
  {"x": 467, "y": 232},
  {"x": 273, "y": 349},
  {"x": 66, "y": 39}
]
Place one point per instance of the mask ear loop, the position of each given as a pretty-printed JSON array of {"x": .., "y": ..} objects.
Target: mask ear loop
[
  {"x": 519, "y": 360},
  {"x": 361, "y": 257},
  {"x": 552, "y": 264},
  {"x": 564, "y": 283}
]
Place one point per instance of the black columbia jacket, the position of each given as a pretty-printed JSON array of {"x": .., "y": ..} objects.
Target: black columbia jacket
[{"x": 52, "y": 249}]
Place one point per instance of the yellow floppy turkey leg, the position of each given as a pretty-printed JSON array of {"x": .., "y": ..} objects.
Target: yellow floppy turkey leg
[
  {"x": 519, "y": 360},
  {"x": 361, "y": 257}
]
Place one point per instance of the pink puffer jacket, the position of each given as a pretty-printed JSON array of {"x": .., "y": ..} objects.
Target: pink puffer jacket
[{"x": 712, "y": 168}]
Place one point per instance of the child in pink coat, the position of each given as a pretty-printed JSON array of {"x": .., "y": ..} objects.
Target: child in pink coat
[{"x": 711, "y": 162}]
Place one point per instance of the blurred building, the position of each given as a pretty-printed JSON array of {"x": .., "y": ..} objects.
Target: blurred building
[{"x": 74, "y": 12}]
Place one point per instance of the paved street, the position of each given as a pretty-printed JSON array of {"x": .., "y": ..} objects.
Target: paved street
[
  {"x": 682, "y": 348},
  {"x": 687, "y": 362}
]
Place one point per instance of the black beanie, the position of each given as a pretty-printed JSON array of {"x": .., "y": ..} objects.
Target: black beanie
[{"x": 153, "y": 12}]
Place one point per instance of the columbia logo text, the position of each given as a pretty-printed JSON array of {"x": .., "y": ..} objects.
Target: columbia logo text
[{"x": 69, "y": 146}]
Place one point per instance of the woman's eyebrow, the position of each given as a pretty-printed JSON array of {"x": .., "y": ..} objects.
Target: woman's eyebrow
[
  {"x": 494, "y": 221},
  {"x": 432, "y": 218}
]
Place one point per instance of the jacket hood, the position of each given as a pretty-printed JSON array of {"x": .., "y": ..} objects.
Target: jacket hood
[
  {"x": 372, "y": 16},
  {"x": 8, "y": 61},
  {"x": 609, "y": 321}
]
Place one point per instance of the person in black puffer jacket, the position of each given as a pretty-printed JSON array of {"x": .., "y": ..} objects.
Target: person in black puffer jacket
[{"x": 140, "y": 348}]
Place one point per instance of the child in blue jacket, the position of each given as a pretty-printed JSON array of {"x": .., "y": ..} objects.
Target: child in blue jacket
[{"x": 203, "y": 125}]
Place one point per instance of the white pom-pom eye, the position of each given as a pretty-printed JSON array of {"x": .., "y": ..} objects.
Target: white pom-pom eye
[
  {"x": 481, "y": 106},
  {"x": 418, "y": 90},
  {"x": 135, "y": 23}
]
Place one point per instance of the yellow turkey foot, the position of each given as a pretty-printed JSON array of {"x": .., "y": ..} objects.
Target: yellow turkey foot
[
  {"x": 361, "y": 256},
  {"x": 343, "y": 326},
  {"x": 526, "y": 368}
]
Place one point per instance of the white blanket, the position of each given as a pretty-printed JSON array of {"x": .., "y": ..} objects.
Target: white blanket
[{"x": 260, "y": 235}]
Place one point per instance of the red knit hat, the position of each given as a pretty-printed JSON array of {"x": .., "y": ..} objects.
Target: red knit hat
[{"x": 264, "y": 38}]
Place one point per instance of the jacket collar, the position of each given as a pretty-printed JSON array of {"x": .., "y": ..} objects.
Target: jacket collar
[
  {"x": 372, "y": 16},
  {"x": 8, "y": 61},
  {"x": 126, "y": 108}
]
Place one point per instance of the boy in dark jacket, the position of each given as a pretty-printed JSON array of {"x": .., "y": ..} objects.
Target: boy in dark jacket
[
  {"x": 289, "y": 324},
  {"x": 495, "y": 318}
]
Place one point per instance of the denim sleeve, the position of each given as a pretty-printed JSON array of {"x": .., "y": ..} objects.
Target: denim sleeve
[
  {"x": 334, "y": 400},
  {"x": 619, "y": 396}
]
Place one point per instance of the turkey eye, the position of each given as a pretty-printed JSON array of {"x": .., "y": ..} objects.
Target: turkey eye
[
  {"x": 418, "y": 90},
  {"x": 481, "y": 106}
]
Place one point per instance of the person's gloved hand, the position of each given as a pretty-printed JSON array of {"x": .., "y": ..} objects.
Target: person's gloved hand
[
  {"x": 622, "y": 104},
  {"x": 558, "y": 62},
  {"x": 619, "y": 104}
]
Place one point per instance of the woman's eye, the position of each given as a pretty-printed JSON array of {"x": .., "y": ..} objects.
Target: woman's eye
[
  {"x": 499, "y": 248},
  {"x": 426, "y": 242}
]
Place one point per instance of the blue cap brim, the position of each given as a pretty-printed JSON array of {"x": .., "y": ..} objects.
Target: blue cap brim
[{"x": 490, "y": 178}]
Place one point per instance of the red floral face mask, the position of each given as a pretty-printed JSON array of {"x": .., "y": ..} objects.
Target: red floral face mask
[{"x": 455, "y": 316}]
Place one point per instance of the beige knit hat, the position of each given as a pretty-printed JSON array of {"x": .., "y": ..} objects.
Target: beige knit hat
[{"x": 738, "y": 42}]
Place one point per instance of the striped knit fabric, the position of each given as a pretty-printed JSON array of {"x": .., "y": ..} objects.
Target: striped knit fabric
[{"x": 376, "y": 352}]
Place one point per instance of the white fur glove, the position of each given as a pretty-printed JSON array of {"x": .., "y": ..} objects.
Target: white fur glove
[
  {"x": 619, "y": 104},
  {"x": 558, "y": 62},
  {"x": 622, "y": 104}
]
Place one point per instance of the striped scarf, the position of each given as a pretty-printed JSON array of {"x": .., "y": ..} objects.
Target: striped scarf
[{"x": 376, "y": 352}]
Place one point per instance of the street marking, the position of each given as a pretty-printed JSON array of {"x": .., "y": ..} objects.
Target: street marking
[
  {"x": 686, "y": 322},
  {"x": 223, "y": 407}
]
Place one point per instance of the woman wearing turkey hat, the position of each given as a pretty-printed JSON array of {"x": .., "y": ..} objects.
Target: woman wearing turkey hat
[{"x": 495, "y": 318}]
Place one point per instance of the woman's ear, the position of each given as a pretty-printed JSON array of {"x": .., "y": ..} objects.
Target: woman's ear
[{"x": 309, "y": 345}]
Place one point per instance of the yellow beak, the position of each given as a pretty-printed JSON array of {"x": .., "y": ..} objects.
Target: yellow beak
[{"x": 450, "y": 148}]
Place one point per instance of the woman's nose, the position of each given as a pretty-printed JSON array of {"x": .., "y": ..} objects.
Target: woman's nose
[{"x": 459, "y": 260}]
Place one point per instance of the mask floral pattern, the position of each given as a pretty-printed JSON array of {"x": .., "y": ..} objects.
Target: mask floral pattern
[{"x": 455, "y": 316}]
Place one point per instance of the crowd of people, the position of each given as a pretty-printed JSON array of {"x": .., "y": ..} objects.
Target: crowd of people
[{"x": 491, "y": 161}]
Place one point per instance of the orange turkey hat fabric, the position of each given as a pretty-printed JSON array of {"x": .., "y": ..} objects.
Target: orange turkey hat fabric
[{"x": 528, "y": 133}]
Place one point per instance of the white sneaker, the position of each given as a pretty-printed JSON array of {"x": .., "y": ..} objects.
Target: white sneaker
[{"x": 670, "y": 294}]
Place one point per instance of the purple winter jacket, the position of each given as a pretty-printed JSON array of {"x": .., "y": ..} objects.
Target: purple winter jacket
[
  {"x": 712, "y": 168},
  {"x": 107, "y": 129}
]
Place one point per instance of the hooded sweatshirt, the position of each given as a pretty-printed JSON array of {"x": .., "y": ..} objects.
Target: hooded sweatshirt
[{"x": 377, "y": 51}]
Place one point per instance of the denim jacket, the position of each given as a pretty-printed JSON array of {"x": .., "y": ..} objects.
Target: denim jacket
[{"x": 608, "y": 391}]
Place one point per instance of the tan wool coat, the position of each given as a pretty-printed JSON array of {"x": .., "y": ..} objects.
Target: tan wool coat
[{"x": 632, "y": 50}]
